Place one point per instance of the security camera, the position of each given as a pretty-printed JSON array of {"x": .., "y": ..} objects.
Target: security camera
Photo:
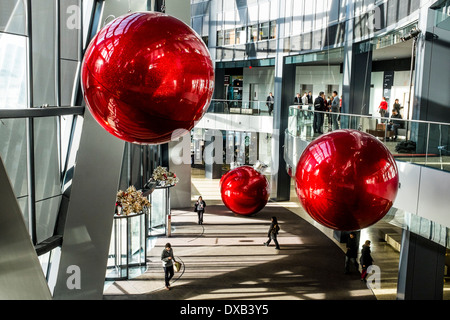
[{"x": 414, "y": 33}]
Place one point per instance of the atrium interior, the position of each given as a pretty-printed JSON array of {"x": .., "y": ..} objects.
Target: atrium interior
[{"x": 117, "y": 116}]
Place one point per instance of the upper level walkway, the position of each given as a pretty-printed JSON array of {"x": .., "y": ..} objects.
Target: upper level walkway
[{"x": 418, "y": 142}]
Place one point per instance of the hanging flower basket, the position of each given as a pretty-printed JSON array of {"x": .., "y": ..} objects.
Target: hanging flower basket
[
  {"x": 164, "y": 178},
  {"x": 130, "y": 201}
]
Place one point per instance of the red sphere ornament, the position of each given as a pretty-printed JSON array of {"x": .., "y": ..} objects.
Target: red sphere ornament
[
  {"x": 145, "y": 75},
  {"x": 347, "y": 180},
  {"x": 244, "y": 190}
]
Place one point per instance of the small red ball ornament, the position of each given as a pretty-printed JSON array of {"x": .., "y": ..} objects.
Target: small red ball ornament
[
  {"x": 146, "y": 74},
  {"x": 347, "y": 180},
  {"x": 244, "y": 190}
]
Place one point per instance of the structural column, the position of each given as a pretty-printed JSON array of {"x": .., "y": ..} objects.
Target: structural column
[
  {"x": 284, "y": 90},
  {"x": 357, "y": 71},
  {"x": 421, "y": 269},
  {"x": 21, "y": 277},
  {"x": 181, "y": 194},
  {"x": 213, "y": 156},
  {"x": 431, "y": 94},
  {"x": 90, "y": 211}
]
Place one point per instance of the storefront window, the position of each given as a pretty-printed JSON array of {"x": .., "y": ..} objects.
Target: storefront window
[
  {"x": 253, "y": 33},
  {"x": 264, "y": 31},
  {"x": 273, "y": 30},
  {"x": 230, "y": 37},
  {"x": 219, "y": 38},
  {"x": 241, "y": 35}
]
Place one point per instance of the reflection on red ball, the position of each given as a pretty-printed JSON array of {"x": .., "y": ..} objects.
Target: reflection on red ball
[
  {"x": 146, "y": 74},
  {"x": 244, "y": 190},
  {"x": 347, "y": 180}
]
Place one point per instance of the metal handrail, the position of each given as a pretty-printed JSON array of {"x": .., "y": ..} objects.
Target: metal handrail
[{"x": 370, "y": 117}]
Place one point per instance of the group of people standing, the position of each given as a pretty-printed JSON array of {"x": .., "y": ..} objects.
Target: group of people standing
[
  {"x": 322, "y": 104},
  {"x": 333, "y": 105}
]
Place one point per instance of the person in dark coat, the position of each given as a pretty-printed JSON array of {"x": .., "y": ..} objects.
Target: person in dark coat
[
  {"x": 273, "y": 232},
  {"x": 365, "y": 260},
  {"x": 298, "y": 99},
  {"x": 397, "y": 106},
  {"x": 168, "y": 260},
  {"x": 352, "y": 253},
  {"x": 310, "y": 98},
  {"x": 335, "y": 108},
  {"x": 319, "y": 105},
  {"x": 395, "y": 123},
  {"x": 270, "y": 102},
  {"x": 200, "y": 206}
]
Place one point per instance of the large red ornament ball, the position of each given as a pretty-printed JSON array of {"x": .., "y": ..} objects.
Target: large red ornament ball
[
  {"x": 347, "y": 180},
  {"x": 146, "y": 74},
  {"x": 244, "y": 190}
]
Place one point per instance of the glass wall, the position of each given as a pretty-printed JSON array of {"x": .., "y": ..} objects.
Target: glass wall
[
  {"x": 14, "y": 95},
  {"x": 40, "y": 56},
  {"x": 305, "y": 25}
]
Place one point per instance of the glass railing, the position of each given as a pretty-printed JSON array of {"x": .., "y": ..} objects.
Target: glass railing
[
  {"x": 419, "y": 142},
  {"x": 257, "y": 108}
]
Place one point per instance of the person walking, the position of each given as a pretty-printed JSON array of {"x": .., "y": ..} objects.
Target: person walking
[
  {"x": 200, "y": 209},
  {"x": 168, "y": 260},
  {"x": 383, "y": 108},
  {"x": 270, "y": 102},
  {"x": 352, "y": 253},
  {"x": 335, "y": 106},
  {"x": 365, "y": 260},
  {"x": 273, "y": 232}
]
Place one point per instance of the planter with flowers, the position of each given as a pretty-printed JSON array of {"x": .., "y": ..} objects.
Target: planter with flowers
[
  {"x": 131, "y": 201},
  {"x": 127, "y": 253},
  {"x": 162, "y": 181},
  {"x": 164, "y": 178}
]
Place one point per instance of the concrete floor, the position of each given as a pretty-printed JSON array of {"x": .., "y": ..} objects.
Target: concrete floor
[{"x": 224, "y": 258}]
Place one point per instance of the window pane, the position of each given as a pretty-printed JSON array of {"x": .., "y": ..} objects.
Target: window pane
[
  {"x": 13, "y": 72},
  {"x": 88, "y": 7},
  {"x": 70, "y": 17},
  {"x": 66, "y": 130},
  {"x": 241, "y": 36},
  {"x": 43, "y": 23},
  {"x": 13, "y": 150},
  {"x": 273, "y": 30},
  {"x": 253, "y": 33},
  {"x": 46, "y": 215},
  {"x": 264, "y": 31},
  {"x": 219, "y": 38},
  {"x": 46, "y": 158},
  {"x": 230, "y": 36},
  {"x": 68, "y": 79},
  {"x": 13, "y": 16}
]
